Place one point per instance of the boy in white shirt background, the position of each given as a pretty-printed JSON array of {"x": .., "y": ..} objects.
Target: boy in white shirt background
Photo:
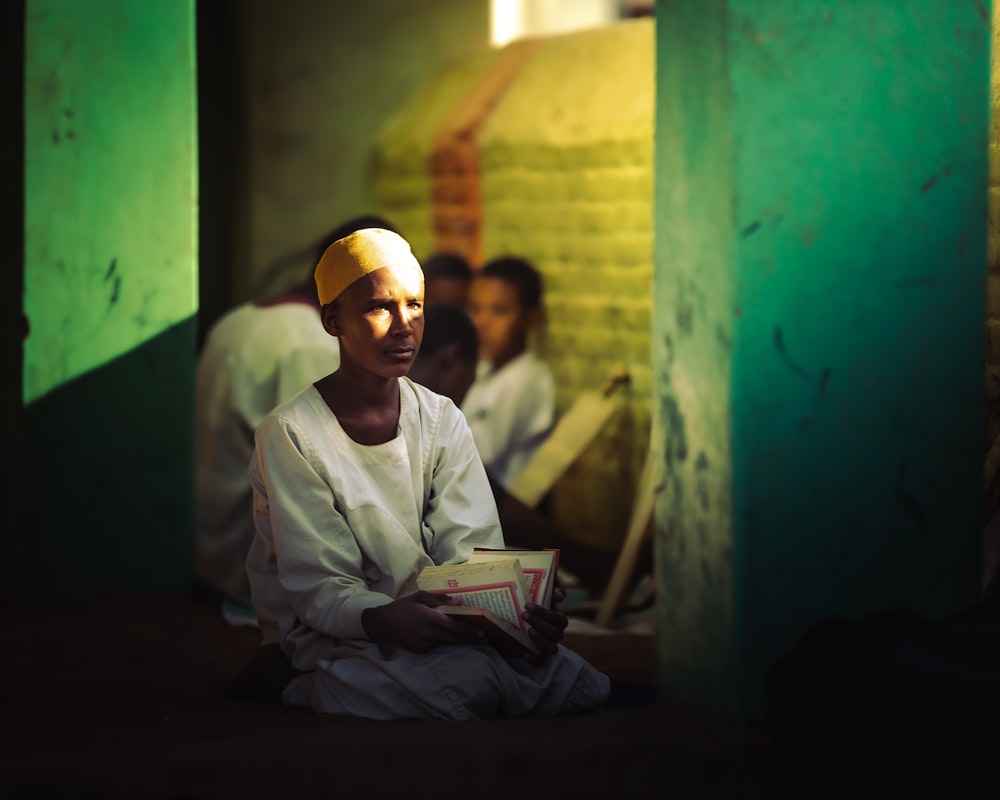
[{"x": 511, "y": 405}]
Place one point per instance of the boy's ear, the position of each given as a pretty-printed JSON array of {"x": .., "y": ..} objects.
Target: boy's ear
[{"x": 331, "y": 322}]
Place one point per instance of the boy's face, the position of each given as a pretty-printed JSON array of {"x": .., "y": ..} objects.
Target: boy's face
[
  {"x": 502, "y": 322},
  {"x": 379, "y": 320}
]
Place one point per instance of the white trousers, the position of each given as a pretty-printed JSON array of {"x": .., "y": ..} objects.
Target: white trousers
[{"x": 459, "y": 682}]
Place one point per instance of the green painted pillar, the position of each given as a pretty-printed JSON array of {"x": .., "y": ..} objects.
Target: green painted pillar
[
  {"x": 820, "y": 194},
  {"x": 110, "y": 292}
]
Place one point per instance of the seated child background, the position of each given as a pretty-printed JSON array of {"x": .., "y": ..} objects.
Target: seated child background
[
  {"x": 361, "y": 480},
  {"x": 446, "y": 360},
  {"x": 511, "y": 405}
]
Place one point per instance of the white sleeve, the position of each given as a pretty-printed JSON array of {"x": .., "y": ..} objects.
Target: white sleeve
[
  {"x": 305, "y": 554},
  {"x": 534, "y": 420},
  {"x": 461, "y": 511}
]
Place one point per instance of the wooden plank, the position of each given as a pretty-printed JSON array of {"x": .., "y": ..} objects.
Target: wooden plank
[
  {"x": 639, "y": 525},
  {"x": 576, "y": 429}
]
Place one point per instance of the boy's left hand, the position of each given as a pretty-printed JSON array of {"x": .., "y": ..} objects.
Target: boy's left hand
[{"x": 548, "y": 625}]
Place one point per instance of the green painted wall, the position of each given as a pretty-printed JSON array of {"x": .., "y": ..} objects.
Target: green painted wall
[
  {"x": 821, "y": 203},
  {"x": 110, "y": 274},
  {"x": 110, "y": 181}
]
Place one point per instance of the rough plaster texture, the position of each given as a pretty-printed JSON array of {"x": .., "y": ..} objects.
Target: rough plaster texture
[
  {"x": 691, "y": 356},
  {"x": 110, "y": 188},
  {"x": 839, "y": 303},
  {"x": 993, "y": 247},
  {"x": 110, "y": 272}
]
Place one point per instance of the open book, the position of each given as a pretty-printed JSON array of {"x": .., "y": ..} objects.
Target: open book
[
  {"x": 538, "y": 566},
  {"x": 494, "y": 586}
]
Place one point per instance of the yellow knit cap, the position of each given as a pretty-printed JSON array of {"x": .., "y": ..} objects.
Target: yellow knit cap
[{"x": 356, "y": 255}]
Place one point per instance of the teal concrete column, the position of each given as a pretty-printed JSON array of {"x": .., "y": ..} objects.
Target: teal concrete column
[
  {"x": 110, "y": 293},
  {"x": 820, "y": 202}
]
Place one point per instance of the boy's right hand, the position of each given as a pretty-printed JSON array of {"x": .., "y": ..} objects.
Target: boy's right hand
[{"x": 412, "y": 622}]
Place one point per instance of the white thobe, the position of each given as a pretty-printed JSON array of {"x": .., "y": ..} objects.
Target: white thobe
[
  {"x": 510, "y": 412},
  {"x": 342, "y": 527},
  {"x": 253, "y": 358}
]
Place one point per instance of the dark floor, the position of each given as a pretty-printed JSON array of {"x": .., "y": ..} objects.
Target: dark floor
[
  {"x": 124, "y": 699},
  {"x": 128, "y": 699}
]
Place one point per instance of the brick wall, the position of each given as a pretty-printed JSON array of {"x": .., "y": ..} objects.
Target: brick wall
[
  {"x": 567, "y": 181},
  {"x": 565, "y": 165},
  {"x": 403, "y": 152}
]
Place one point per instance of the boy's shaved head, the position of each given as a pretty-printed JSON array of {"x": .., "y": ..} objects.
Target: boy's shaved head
[{"x": 357, "y": 254}]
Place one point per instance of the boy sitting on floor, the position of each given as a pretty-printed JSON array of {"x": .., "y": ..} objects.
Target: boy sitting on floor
[{"x": 360, "y": 481}]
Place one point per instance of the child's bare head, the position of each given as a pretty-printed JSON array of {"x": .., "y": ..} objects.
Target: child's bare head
[
  {"x": 446, "y": 278},
  {"x": 446, "y": 363},
  {"x": 505, "y": 303}
]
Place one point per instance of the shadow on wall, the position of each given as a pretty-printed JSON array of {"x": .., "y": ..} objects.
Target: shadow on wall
[{"x": 108, "y": 478}]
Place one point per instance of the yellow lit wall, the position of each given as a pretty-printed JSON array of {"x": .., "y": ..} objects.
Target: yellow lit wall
[
  {"x": 567, "y": 160},
  {"x": 563, "y": 135}
]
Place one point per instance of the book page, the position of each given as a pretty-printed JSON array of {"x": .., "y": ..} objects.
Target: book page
[
  {"x": 496, "y": 584},
  {"x": 539, "y": 567},
  {"x": 501, "y": 600}
]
